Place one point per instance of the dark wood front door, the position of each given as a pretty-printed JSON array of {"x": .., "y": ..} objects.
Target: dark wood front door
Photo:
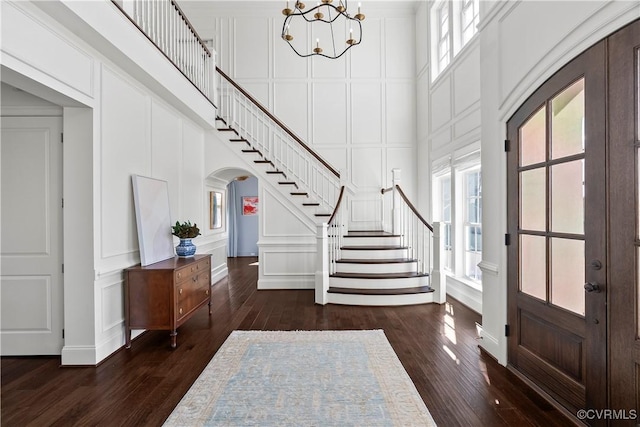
[
  {"x": 557, "y": 227},
  {"x": 574, "y": 222},
  {"x": 624, "y": 239}
]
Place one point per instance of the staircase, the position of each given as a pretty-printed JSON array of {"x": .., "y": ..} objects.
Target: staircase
[
  {"x": 276, "y": 151},
  {"x": 376, "y": 270},
  {"x": 289, "y": 186},
  {"x": 357, "y": 267}
]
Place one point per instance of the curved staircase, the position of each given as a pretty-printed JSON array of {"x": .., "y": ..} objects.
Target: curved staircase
[{"x": 375, "y": 270}]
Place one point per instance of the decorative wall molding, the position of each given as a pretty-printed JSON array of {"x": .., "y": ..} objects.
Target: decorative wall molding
[{"x": 489, "y": 268}]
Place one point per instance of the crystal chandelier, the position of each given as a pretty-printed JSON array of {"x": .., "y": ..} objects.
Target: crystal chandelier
[{"x": 331, "y": 24}]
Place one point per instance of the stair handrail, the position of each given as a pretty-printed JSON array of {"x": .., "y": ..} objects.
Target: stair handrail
[
  {"x": 277, "y": 145},
  {"x": 413, "y": 208},
  {"x": 335, "y": 211},
  {"x": 278, "y": 122},
  {"x": 335, "y": 231},
  {"x": 167, "y": 27},
  {"x": 416, "y": 234}
]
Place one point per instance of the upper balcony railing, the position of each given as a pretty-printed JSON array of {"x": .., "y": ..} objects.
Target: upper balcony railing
[{"x": 167, "y": 27}]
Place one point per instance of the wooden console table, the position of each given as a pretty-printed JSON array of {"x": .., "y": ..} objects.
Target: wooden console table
[{"x": 164, "y": 295}]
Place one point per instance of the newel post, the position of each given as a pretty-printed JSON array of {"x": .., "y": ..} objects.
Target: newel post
[
  {"x": 322, "y": 264},
  {"x": 438, "y": 277},
  {"x": 395, "y": 212}
]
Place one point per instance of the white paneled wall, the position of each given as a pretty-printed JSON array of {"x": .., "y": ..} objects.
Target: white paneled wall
[
  {"x": 349, "y": 110},
  {"x": 118, "y": 121}
]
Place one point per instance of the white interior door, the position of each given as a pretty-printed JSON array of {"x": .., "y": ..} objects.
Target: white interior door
[{"x": 31, "y": 311}]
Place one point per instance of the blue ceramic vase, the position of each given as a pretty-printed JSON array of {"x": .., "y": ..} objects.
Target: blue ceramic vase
[{"x": 185, "y": 248}]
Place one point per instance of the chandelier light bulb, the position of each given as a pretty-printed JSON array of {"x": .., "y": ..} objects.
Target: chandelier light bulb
[{"x": 359, "y": 16}]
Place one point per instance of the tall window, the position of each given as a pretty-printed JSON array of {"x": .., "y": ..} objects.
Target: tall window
[
  {"x": 445, "y": 188},
  {"x": 453, "y": 25},
  {"x": 443, "y": 36},
  {"x": 468, "y": 20},
  {"x": 457, "y": 204},
  {"x": 473, "y": 225}
]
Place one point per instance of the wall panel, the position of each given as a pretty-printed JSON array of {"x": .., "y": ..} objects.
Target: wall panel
[
  {"x": 366, "y": 113},
  {"x": 291, "y": 101},
  {"x": 400, "y": 61},
  {"x": 166, "y": 152},
  {"x": 401, "y": 113},
  {"x": 366, "y": 174},
  {"x": 125, "y": 129},
  {"x": 329, "y": 111},
  {"x": 251, "y": 37}
]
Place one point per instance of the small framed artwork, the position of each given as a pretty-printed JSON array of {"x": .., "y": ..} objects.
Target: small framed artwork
[
  {"x": 215, "y": 210},
  {"x": 250, "y": 205}
]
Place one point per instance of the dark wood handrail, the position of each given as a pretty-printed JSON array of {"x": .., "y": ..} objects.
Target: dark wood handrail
[
  {"x": 278, "y": 122},
  {"x": 335, "y": 210},
  {"x": 413, "y": 208},
  {"x": 193, "y": 31},
  {"x": 163, "y": 52},
  {"x": 385, "y": 190}
]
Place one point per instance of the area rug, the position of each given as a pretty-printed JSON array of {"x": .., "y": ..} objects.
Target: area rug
[{"x": 303, "y": 378}]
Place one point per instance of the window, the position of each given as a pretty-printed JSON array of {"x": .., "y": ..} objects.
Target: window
[
  {"x": 445, "y": 188},
  {"x": 468, "y": 20},
  {"x": 457, "y": 204},
  {"x": 453, "y": 25},
  {"x": 473, "y": 225},
  {"x": 443, "y": 36}
]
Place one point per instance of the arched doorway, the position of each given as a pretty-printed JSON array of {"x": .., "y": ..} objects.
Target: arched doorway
[{"x": 572, "y": 220}]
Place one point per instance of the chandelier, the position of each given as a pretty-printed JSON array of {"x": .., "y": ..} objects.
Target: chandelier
[{"x": 333, "y": 29}]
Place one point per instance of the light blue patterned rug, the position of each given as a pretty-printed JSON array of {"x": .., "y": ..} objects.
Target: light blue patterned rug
[{"x": 303, "y": 378}]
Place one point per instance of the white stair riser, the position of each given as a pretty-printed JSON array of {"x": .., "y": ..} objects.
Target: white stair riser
[
  {"x": 380, "y": 300},
  {"x": 395, "y": 267},
  {"x": 371, "y": 241},
  {"x": 365, "y": 283},
  {"x": 373, "y": 254}
]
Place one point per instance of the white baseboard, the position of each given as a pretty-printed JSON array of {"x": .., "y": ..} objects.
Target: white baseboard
[
  {"x": 219, "y": 273},
  {"x": 467, "y": 295},
  {"x": 492, "y": 346},
  {"x": 283, "y": 283},
  {"x": 78, "y": 355}
]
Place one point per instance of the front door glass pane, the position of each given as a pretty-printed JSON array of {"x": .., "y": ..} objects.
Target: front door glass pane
[
  {"x": 567, "y": 197},
  {"x": 567, "y": 121},
  {"x": 533, "y": 262},
  {"x": 567, "y": 274},
  {"x": 533, "y": 200},
  {"x": 533, "y": 139}
]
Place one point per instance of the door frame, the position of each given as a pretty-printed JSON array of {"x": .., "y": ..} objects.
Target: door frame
[{"x": 595, "y": 354}]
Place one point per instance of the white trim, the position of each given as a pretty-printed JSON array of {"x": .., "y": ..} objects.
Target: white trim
[
  {"x": 301, "y": 282},
  {"x": 489, "y": 267}
]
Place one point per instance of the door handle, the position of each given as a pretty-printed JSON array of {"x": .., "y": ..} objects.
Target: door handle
[{"x": 591, "y": 287}]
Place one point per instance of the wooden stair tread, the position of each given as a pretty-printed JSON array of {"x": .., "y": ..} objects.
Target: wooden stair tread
[
  {"x": 376, "y": 261},
  {"x": 295, "y": 193},
  {"x": 251, "y": 150},
  {"x": 404, "y": 275},
  {"x": 323, "y": 214},
  {"x": 311, "y": 204},
  {"x": 262, "y": 161},
  {"x": 372, "y": 248},
  {"x": 276, "y": 172},
  {"x": 371, "y": 233},
  {"x": 397, "y": 291}
]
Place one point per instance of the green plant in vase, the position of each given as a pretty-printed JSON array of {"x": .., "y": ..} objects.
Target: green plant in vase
[{"x": 185, "y": 232}]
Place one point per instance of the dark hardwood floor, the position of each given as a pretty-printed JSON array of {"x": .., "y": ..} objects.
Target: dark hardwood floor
[{"x": 140, "y": 387}]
